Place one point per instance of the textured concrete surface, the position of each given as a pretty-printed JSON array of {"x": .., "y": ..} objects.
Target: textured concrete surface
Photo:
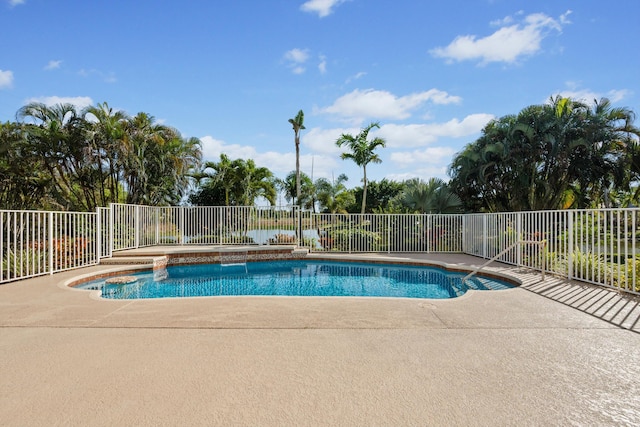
[{"x": 547, "y": 353}]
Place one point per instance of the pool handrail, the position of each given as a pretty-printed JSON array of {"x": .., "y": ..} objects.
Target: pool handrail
[{"x": 542, "y": 243}]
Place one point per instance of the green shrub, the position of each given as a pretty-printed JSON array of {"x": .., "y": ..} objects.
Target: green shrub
[
  {"x": 356, "y": 239},
  {"x": 586, "y": 265},
  {"x": 25, "y": 261},
  {"x": 632, "y": 267}
]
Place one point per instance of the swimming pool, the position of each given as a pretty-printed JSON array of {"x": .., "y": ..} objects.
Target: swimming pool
[{"x": 297, "y": 278}]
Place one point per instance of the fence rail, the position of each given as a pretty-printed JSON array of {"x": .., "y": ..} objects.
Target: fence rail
[
  {"x": 34, "y": 243},
  {"x": 386, "y": 233},
  {"x": 597, "y": 246}
]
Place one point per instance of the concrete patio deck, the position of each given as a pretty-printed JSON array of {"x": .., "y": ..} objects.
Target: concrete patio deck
[{"x": 546, "y": 353}]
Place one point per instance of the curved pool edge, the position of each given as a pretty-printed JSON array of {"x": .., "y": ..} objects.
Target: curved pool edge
[
  {"x": 109, "y": 271},
  {"x": 382, "y": 259},
  {"x": 119, "y": 270}
]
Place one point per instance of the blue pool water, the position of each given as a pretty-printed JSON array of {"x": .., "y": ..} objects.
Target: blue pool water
[{"x": 297, "y": 278}]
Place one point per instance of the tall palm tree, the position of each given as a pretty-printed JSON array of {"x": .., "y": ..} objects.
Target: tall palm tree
[
  {"x": 362, "y": 152},
  {"x": 57, "y": 137},
  {"x": 104, "y": 133},
  {"x": 157, "y": 161},
  {"x": 609, "y": 137},
  {"x": 298, "y": 125}
]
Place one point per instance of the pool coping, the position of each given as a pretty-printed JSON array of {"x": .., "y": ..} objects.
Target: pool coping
[{"x": 163, "y": 257}]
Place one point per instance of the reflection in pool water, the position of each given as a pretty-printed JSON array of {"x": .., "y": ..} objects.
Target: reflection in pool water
[{"x": 298, "y": 278}]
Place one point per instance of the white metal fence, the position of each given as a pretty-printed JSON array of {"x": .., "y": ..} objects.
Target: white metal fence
[
  {"x": 598, "y": 246},
  {"x": 595, "y": 246},
  {"x": 140, "y": 226},
  {"x": 33, "y": 243},
  {"x": 386, "y": 233}
]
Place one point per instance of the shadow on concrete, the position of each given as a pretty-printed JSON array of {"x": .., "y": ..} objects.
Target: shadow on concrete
[{"x": 615, "y": 307}]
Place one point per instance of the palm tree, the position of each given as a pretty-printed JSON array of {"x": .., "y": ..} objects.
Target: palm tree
[
  {"x": 24, "y": 182},
  {"x": 57, "y": 137},
  {"x": 241, "y": 182},
  {"x": 433, "y": 196},
  {"x": 255, "y": 182},
  {"x": 560, "y": 154},
  {"x": 289, "y": 186},
  {"x": 609, "y": 140},
  {"x": 362, "y": 153},
  {"x": 334, "y": 196},
  {"x": 298, "y": 125},
  {"x": 105, "y": 131},
  {"x": 224, "y": 176},
  {"x": 180, "y": 157},
  {"x": 157, "y": 161}
]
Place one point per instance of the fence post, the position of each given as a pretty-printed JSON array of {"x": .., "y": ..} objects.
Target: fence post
[
  {"x": 181, "y": 225},
  {"x": 136, "y": 226},
  {"x": 427, "y": 230},
  {"x": 299, "y": 225},
  {"x": 485, "y": 242},
  {"x": 350, "y": 233},
  {"x": 569, "y": 245},
  {"x": 50, "y": 242},
  {"x": 519, "y": 236},
  {"x": 464, "y": 233},
  {"x": 388, "y": 233},
  {"x": 111, "y": 230},
  {"x": 98, "y": 235}
]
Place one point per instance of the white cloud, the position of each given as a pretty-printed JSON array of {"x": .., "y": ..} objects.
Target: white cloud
[
  {"x": 431, "y": 155},
  {"x": 377, "y": 104},
  {"x": 588, "y": 96},
  {"x": 79, "y": 101},
  {"x": 296, "y": 59},
  {"x": 107, "y": 78},
  {"x": 110, "y": 78},
  {"x": 617, "y": 95},
  {"x": 323, "y": 141},
  {"x": 322, "y": 7},
  {"x": 564, "y": 18},
  {"x": 416, "y": 135},
  {"x": 53, "y": 64},
  {"x": 297, "y": 55},
  {"x": 399, "y": 177},
  {"x": 6, "y": 79},
  {"x": 322, "y": 66},
  {"x": 16, "y": 2},
  {"x": 356, "y": 77},
  {"x": 508, "y": 44},
  {"x": 424, "y": 173}
]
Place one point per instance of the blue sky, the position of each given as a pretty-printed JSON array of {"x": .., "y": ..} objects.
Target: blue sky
[{"x": 232, "y": 73}]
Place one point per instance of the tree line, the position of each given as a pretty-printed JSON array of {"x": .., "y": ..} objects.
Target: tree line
[
  {"x": 61, "y": 158},
  {"x": 558, "y": 155},
  {"x": 238, "y": 182}
]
